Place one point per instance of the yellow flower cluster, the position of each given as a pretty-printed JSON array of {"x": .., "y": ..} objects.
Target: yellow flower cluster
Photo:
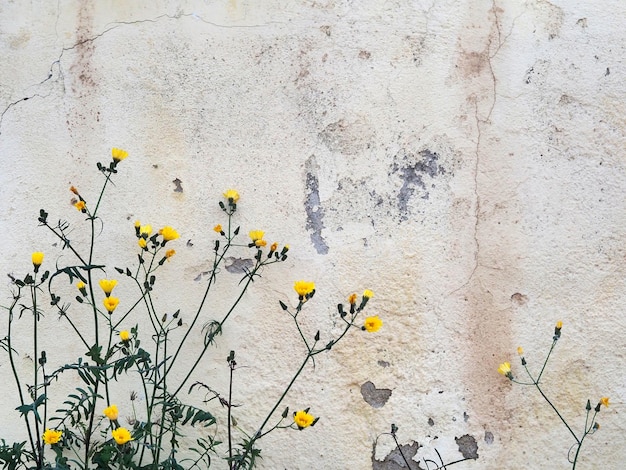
[
  {"x": 121, "y": 435},
  {"x": 257, "y": 237}
]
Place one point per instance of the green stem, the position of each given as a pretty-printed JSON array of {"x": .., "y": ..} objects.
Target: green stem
[
  {"x": 558, "y": 414},
  {"x": 546, "y": 361},
  {"x": 36, "y": 373}
]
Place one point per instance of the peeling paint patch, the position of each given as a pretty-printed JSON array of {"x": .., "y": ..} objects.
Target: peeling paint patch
[
  {"x": 313, "y": 208},
  {"x": 412, "y": 169},
  {"x": 376, "y": 397},
  {"x": 394, "y": 460},
  {"x": 383, "y": 363},
  {"x": 238, "y": 265},
  {"x": 178, "y": 185},
  {"x": 468, "y": 447},
  {"x": 488, "y": 437}
]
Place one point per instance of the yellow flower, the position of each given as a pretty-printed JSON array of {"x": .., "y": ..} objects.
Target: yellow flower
[
  {"x": 218, "y": 228},
  {"x": 110, "y": 303},
  {"x": 121, "y": 435},
  {"x": 520, "y": 350},
  {"x": 137, "y": 224},
  {"x": 51, "y": 437},
  {"x": 142, "y": 242},
  {"x": 274, "y": 247},
  {"x": 559, "y": 325},
  {"x": 169, "y": 254},
  {"x": 505, "y": 369},
  {"x": 303, "y": 419},
  {"x": 124, "y": 335},
  {"x": 80, "y": 206},
  {"x": 80, "y": 285},
  {"x": 231, "y": 194},
  {"x": 352, "y": 299},
  {"x": 368, "y": 294},
  {"x": 260, "y": 243},
  {"x": 118, "y": 154},
  {"x": 37, "y": 258},
  {"x": 373, "y": 324},
  {"x": 604, "y": 401},
  {"x": 107, "y": 285},
  {"x": 111, "y": 411},
  {"x": 145, "y": 230},
  {"x": 168, "y": 233},
  {"x": 256, "y": 235},
  {"x": 304, "y": 288}
]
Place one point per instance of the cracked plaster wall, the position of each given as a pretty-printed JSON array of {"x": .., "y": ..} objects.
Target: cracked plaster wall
[{"x": 465, "y": 160}]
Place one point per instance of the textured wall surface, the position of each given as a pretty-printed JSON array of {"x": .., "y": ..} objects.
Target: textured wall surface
[{"x": 464, "y": 160}]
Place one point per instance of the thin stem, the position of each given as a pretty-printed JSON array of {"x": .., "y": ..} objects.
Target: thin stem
[
  {"x": 228, "y": 410},
  {"x": 36, "y": 372},
  {"x": 558, "y": 414},
  {"x": 546, "y": 361}
]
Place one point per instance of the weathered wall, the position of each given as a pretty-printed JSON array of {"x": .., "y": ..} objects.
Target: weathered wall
[{"x": 465, "y": 160}]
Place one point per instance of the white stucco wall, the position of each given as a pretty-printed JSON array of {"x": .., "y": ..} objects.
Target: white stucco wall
[{"x": 464, "y": 160}]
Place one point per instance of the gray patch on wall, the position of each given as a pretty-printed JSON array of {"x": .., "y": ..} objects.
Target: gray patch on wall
[
  {"x": 468, "y": 447},
  {"x": 238, "y": 265},
  {"x": 394, "y": 460},
  {"x": 376, "y": 397},
  {"x": 313, "y": 208},
  {"x": 412, "y": 170},
  {"x": 178, "y": 185}
]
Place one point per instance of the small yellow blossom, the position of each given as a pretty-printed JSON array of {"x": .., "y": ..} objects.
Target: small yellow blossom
[
  {"x": 274, "y": 247},
  {"x": 137, "y": 224},
  {"x": 145, "y": 230},
  {"x": 37, "y": 258},
  {"x": 142, "y": 242},
  {"x": 51, "y": 437},
  {"x": 505, "y": 369},
  {"x": 520, "y": 350},
  {"x": 169, "y": 254},
  {"x": 80, "y": 285},
  {"x": 303, "y": 288},
  {"x": 260, "y": 243},
  {"x": 256, "y": 235},
  {"x": 118, "y": 154},
  {"x": 231, "y": 194},
  {"x": 373, "y": 324},
  {"x": 559, "y": 325},
  {"x": 604, "y": 401},
  {"x": 218, "y": 228},
  {"x": 303, "y": 419},
  {"x": 80, "y": 206},
  {"x": 368, "y": 294},
  {"x": 107, "y": 285},
  {"x": 121, "y": 435},
  {"x": 110, "y": 303},
  {"x": 111, "y": 412},
  {"x": 124, "y": 335},
  {"x": 352, "y": 299},
  {"x": 168, "y": 233}
]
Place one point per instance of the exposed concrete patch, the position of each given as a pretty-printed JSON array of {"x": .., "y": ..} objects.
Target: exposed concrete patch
[
  {"x": 394, "y": 460},
  {"x": 488, "y": 437},
  {"x": 412, "y": 169},
  {"x": 238, "y": 265},
  {"x": 468, "y": 447},
  {"x": 313, "y": 208},
  {"x": 376, "y": 397},
  {"x": 178, "y": 186}
]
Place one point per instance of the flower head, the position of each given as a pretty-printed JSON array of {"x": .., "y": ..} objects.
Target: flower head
[
  {"x": 169, "y": 254},
  {"x": 218, "y": 228},
  {"x": 121, "y": 435},
  {"x": 604, "y": 401},
  {"x": 505, "y": 369},
  {"x": 51, "y": 436},
  {"x": 82, "y": 287},
  {"x": 118, "y": 154},
  {"x": 273, "y": 247},
  {"x": 304, "y": 288},
  {"x": 37, "y": 259},
  {"x": 107, "y": 285},
  {"x": 80, "y": 206},
  {"x": 110, "y": 303},
  {"x": 520, "y": 350},
  {"x": 124, "y": 335},
  {"x": 137, "y": 224},
  {"x": 559, "y": 325},
  {"x": 111, "y": 412},
  {"x": 352, "y": 299},
  {"x": 145, "y": 230},
  {"x": 142, "y": 243},
  {"x": 256, "y": 235},
  {"x": 372, "y": 324},
  {"x": 231, "y": 195},
  {"x": 368, "y": 294},
  {"x": 168, "y": 233},
  {"x": 74, "y": 190},
  {"x": 303, "y": 419}
]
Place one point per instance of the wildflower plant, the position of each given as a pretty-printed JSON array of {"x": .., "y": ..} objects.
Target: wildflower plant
[
  {"x": 591, "y": 424},
  {"x": 94, "y": 427}
]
